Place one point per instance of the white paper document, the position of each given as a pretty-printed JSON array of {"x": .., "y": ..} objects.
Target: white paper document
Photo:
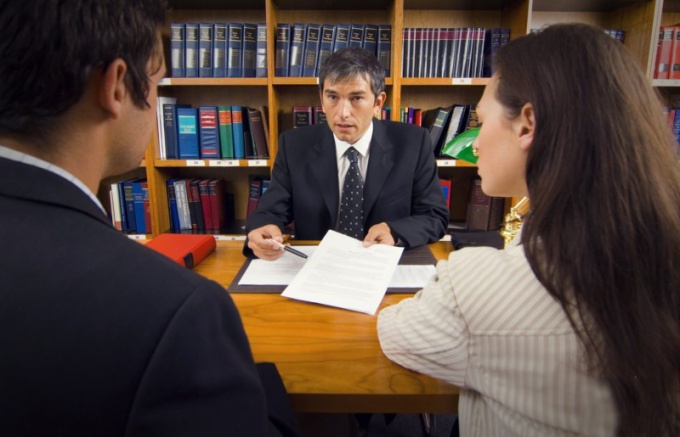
[{"x": 342, "y": 273}]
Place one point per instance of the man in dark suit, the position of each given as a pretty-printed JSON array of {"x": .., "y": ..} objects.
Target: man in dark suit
[
  {"x": 402, "y": 200},
  {"x": 100, "y": 335}
]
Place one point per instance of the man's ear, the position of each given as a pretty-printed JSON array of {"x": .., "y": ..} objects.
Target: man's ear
[
  {"x": 526, "y": 126},
  {"x": 112, "y": 91},
  {"x": 379, "y": 102}
]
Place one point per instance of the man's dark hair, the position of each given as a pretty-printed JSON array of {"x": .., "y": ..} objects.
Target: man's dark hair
[
  {"x": 48, "y": 49},
  {"x": 351, "y": 62}
]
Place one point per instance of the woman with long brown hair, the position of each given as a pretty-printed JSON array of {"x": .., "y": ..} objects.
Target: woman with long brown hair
[{"x": 575, "y": 328}]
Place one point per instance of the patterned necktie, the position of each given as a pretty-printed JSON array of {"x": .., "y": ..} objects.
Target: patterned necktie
[{"x": 351, "y": 219}]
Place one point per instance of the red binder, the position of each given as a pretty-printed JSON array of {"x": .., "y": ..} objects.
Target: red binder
[{"x": 185, "y": 249}]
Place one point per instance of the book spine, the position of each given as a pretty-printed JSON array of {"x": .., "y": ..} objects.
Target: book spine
[
  {"x": 205, "y": 50},
  {"x": 237, "y": 130},
  {"x": 216, "y": 196},
  {"x": 220, "y": 50},
  {"x": 261, "y": 51},
  {"x": 385, "y": 47},
  {"x": 257, "y": 133},
  {"x": 311, "y": 55},
  {"x": 147, "y": 207},
  {"x": 123, "y": 208},
  {"x": 138, "y": 203},
  {"x": 226, "y": 135},
  {"x": 170, "y": 130},
  {"x": 205, "y": 203},
  {"x": 370, "y": 41},
  {"x": 479, "y": 208},
  {"x": 187, "y": 127},
  {"x": 341, "y": 36},
  {"x": 191, "y": 45},
  {"x": 318, "y": 115},
  {"x": 282, "y": 49},
  {"x": 177, "y": 50},
  {"x": 302, "y": 115},
  {"x": 234, "y": 50},
  {"x": 208, "y": 134},
  {"x": 130, "y": 206},
  {"x": 254, "y": 194},
  {"x": 325, "y": 46},
  {"x": 115, "y": 207},
  {"x": 249, "y": 49},
  {"x": 356, "y": 35},
  {"x": 184, "y": 217},
  {"x": 172, "y": 205},
  {"x": 297, "y": 47}
]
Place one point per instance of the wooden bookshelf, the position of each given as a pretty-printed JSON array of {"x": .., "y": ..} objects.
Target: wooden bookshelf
[{"x": 638, "y": 18}]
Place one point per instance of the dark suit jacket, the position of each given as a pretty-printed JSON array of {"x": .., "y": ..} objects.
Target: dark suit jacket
[
  {"x": 102, "y": 336},
  {"x": 401, "y": 188}
]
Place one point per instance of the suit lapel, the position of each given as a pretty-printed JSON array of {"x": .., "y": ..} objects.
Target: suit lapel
[
  {"x": 379, "y": 165},
  {"x": 324, "y": 167}
]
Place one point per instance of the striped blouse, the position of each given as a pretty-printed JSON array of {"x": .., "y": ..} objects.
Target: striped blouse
[{"x": 487, "y": 325}]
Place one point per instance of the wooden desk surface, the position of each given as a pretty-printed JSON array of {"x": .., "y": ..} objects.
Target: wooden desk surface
[{"x": 330, "y": 359}]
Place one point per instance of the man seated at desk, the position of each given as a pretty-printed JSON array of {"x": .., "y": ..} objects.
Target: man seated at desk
[{"x": 396, "y": 197}]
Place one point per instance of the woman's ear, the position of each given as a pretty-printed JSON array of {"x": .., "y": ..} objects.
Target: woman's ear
[{"x": 526, "y": 126}]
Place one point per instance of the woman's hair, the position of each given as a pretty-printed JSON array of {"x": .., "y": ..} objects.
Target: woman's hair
[{"x": 603, "y": 234}]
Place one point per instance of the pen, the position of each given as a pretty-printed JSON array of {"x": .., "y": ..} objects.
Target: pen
[{"x": 288, "y": 248}]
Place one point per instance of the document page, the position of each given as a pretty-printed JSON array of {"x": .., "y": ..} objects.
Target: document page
[
  {"x": 342, "y": 273},
  {"x": 278, "y": 272}
]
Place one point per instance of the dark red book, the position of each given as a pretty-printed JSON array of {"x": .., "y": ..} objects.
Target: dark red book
[{"x": 185, "y": 249}]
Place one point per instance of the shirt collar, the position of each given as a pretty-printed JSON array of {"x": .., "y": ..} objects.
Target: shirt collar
[{"x": 362, "y": 145}]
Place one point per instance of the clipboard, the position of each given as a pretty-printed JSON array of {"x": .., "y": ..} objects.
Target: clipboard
[{"x": 421, "y": 255}]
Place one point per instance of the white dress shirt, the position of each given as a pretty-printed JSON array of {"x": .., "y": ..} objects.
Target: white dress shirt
[{"x": 486, "y": 324}]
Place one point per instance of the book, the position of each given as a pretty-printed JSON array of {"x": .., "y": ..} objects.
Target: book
[
  {"x": 171, "y": 129},
  {"x": 205, "y": 203},
  {"x": 341, "y": 36},
  {"x": 208, "y": 132},
  {"x": 248, "y": 144},
  {"x": 187, "y": 129},
  {"x": 261, "y": 51},
  {"x": 177, "y": 50},
  {"x": 164, "y": 119},
  {"x": 492, "y": 43},
  {"x": 249, "y": 49},
  {"x": 147, "y": 207},
  {"x": 370, "y": 41},
  {"x": 664, "y": 52},
  {"x": 318, "y": 116},
  {"x": 182, "y": 201},
  {"x": 234, "y": 47},
  {"x": 184, "y": 249},
  {"x": 191, "y": 49},
  {"x": 485, "y": 213},
  {"x": 129, "y": 205},
  {"x": 257, "y": 132},
  {"x": 302, "y": 115},
  {"x": 282, "y": 49},
  {"x": 221, "y": 204},
  {"x": 172, "y": 204},
  {"x": 121, "y": 203},
  {"x": 435, "y": 120},
  {"x": 205, "y": 50},
  {"x": 114, "y": 198},
  {"x": 326, "y": 45},
  {"x": 457, "y": 122},
  {"x": 674, "y": 66},
  {"x": 313, "y": 36},
  {"x": 254, "y": 193},
  {"x": 226, "y": 134},
  {"x": 446, "y": 189},
  {"x": 195, "y": 209},
  {"x": 237, "y": 131},
  {"x": 356, "y": 35},
  {"x": 297, "y": 47},
  {"x": 220, "y": 50},
  {"x": 384, "y": 53}
]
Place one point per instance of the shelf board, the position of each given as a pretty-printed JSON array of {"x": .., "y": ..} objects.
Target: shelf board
[
  {"x": 224, "y": 163},
  {"x": 213, "y": 81},
  {"x": 328, "y": 5},
  {"x": 217, "y": 4},
  {"x": 452, "y": 162},
  {"x": 458, "y": 5},
  {"x": 442, "y": 81},
  {"x": 308, "y": 81},
  {"x": 666, "y": 83}
]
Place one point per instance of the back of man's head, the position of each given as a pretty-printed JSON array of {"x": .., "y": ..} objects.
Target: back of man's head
[
  {"x": 352, "y": 62},
  {"x": 49, "y": 49}
]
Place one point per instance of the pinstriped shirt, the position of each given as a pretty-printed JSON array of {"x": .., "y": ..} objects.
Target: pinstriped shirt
[{"x": 487, "y": 325}]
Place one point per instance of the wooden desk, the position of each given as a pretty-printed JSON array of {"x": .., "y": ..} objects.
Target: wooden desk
[{"x": 329, "y": 358}]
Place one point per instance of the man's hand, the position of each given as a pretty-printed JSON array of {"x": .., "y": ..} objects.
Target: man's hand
[
  {"x": 379, "y": 234},
  {"x": 263, "y": 249}
]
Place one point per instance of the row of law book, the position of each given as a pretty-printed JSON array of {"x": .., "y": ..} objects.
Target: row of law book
[
  {"x": 443, "y": 123},
  {"x": 667, "y": 63},
  {"x": 301, "y": 49},
  {"x": 199, "y": 205},
  {"x": 484, "y": 213},
  {"x": 451, "y": 52},
  {"x": 306, "y": 115},
  {"x": 211, "y": 132},
  {"x": 129, "y": 201},
  {"x": 218, "y": 49}
]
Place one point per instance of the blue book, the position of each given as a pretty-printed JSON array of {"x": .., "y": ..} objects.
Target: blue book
[
  {"x": 177, "y": 50},
  {"x": 170, "y": 129},
  {"x": 208, "y": 132},
  {"x": 356, "y": 35},
  {"x": 297, "y": 48},
  {"x": 370, "y": 41},
  {"x": 341, "y": 36},
  {"x": 326, "y": 45},
  {"x": 138, "y": 203},
  {"x": 172, "y": 205},
  {"x": 249, "y": 49},
  {"x": 309, "y": 60},
  {"x": 261, "y": 51},
  {"x": 282, "y": 49},
  {"x": 187, "y": 129},
  {"x": 492, "y": 42},
  {"x": 220, "y": 50},
  {"x": 205, "y": 50},
  {"x": 384, "y": 47},
  {"x": 237, "y": 132},
  {"x": 191, "y": 46},
  {"x": 129, "y": 203},
  {"x": 234, "y": 48}
]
